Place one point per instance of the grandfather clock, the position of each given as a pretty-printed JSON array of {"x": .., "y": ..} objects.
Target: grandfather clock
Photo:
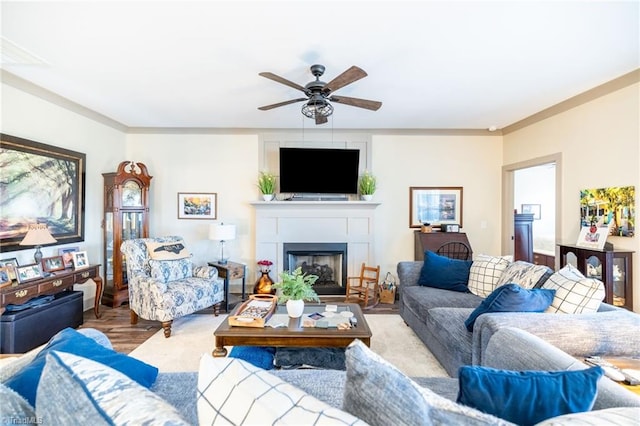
[{"x": 126, "y": 216}]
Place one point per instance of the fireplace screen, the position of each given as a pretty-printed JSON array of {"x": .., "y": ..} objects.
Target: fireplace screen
[{"x": 326, "y": 260}]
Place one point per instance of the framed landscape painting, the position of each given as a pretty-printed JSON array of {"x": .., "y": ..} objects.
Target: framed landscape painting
[
  {"x": 41, "y": 184},
  {"x": 197, "y": 205},
  {"x": 435, "y": 205}
]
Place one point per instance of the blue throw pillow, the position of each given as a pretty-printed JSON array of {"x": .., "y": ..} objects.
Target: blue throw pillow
[
  {"x": 442, "y": 272},
  {"x": 260, "y": 356},
  {"x": 528, "y": 397},
  {"x": 512, "y": 298},
  {"x": 69, "y": 340}
]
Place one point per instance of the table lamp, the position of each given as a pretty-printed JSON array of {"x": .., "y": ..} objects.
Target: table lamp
[
  {"x": 37, "y": 235},
  {"x": 221, "y": 232}
]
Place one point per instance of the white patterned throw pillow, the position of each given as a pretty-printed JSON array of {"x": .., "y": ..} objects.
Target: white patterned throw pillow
[
  {"x": 525, "y": 274},
  {"x": 575, "y": 294},
  {"x": 485, "y": 273},
  {"x": 78, "y": 391},
  {"x": 232, "y": 391}
]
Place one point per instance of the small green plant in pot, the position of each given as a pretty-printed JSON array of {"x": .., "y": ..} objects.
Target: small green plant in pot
[
  {"x": 267, "y": 185},
  {"x": 367, "y": 185},
  {"x": 296, "y": 287}
]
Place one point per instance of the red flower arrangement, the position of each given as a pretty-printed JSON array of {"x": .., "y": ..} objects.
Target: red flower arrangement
[{"x": 264, "y": 265}]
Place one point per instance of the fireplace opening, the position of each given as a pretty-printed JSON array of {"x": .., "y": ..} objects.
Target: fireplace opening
[{"x": 326, "y": 260}]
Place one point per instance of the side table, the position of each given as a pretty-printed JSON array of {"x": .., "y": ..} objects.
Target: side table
[{"x": 231, "y": 271}]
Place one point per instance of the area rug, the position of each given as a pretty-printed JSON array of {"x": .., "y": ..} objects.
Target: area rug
[{"x": 192, "y": 336}]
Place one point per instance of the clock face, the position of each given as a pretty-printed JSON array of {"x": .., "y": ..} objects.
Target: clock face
[{"x": 131, "y": 194}]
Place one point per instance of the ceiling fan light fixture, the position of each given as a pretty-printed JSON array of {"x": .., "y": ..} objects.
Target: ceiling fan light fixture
[{"x": 317, "y": 107}]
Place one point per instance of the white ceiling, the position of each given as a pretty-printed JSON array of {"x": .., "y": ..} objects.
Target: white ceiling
[{"x": 433, "y": 64}]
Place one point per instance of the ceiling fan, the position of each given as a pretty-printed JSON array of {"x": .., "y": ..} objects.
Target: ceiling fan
[{"x": 319, "y": 93}]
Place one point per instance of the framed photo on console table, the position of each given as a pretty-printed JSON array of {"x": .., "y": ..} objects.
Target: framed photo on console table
[
  {"x": 435, "y": 205},
  {"x": 29, "y": 272}
]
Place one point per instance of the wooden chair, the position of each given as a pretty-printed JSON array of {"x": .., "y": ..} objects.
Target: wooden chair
[
  {"x": 455, "y": 250},
  {"x": 365, "y": 286}
]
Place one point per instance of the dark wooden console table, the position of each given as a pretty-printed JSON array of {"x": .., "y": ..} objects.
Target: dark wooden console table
[
  {"x": 54, "y": 283},
  {"x": 432, "y": 241}
]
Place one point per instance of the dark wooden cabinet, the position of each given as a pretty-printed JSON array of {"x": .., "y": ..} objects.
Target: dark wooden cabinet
[
  {"x": 544, "y": 259},
  {"x": 126, "y": 216},
  {"x": 523, "y": 237},
  {"x": 612, "y": 267},
  {"x": 432, "y": 241}
]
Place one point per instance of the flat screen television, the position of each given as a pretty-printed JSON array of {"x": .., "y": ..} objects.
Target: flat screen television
[{"x": 319, "y": 171}]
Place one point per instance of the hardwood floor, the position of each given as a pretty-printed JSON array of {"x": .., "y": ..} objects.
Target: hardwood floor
[{"x": 116, "y": 323}]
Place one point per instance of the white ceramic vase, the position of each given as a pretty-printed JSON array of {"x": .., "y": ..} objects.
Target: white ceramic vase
[
  {"x": 367, "y": 197},
  {"x": 267, "y": 197},
  {"x": 295, "y": 308}
]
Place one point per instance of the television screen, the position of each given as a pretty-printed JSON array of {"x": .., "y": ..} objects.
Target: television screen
[{"x": 319, "y": 171}]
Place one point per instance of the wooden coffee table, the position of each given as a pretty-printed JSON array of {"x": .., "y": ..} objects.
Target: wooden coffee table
[{"x": 293, "y": 335}]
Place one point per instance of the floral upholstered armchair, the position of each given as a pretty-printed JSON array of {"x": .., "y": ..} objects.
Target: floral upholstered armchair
[{"x": 163, "y": 283}]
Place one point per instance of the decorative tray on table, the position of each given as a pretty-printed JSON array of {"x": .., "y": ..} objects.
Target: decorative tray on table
[{"x": 255, "y": 312}]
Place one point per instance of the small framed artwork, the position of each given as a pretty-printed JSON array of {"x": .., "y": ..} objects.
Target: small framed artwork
[
  {"x": 11, "y": 264},
  {"x": 435, "y": 206},
  {"x": 4, "y": 276},
  {"x": 593, "y": 237},
  {"x": 80, "y": 259},
  {"x": 29, "y": 272},
  {"x": 531, "y": 209},
  {"x": 67, "y": 259},
  {"x": 52, "y": 264},
  {"x": 197, "y": 205}
]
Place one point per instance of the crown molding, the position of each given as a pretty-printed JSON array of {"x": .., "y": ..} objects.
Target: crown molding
[
  {"x": 621, "y": 82},
  {"x": 47, "y": 95}
]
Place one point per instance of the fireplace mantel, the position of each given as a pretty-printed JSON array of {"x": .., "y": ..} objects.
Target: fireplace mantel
[{"x": 351, "y": 222}]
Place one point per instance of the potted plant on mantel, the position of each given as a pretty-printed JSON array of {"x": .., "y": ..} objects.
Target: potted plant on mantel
[
  {"x": 367, "y": 186},
  {"x": 267, "y": 185},
  {"x": 296, "y": 287}
]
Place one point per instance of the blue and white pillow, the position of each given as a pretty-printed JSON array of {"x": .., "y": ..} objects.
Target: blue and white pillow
[
  {"x": 79, "y": 391},
  {"x": 166, "y": 271},
  {"x": 525, "y": 274}
]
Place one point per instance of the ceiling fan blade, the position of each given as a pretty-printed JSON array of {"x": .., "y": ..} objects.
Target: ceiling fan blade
[
  {"x": 281, "y": 80},
  {"x": 356, "y": 102},
  {"x": 349, "y": 76},
  {"x": 321, "y": 119},
  {"x": 279, "y": 104}
]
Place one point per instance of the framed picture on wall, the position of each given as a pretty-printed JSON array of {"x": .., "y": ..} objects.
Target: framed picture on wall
[
  {"x": 197, "y": 205},
  {"x": 435, "y": 205}
]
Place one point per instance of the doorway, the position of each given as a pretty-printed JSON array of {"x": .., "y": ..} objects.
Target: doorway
[{"x": 534, "y": 185}]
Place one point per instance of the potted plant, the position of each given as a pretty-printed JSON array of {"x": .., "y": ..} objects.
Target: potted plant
[
  {"x": 367, "y": 185},
  {"x": 296, "y": 287},
  {"x": 267, "y": 185}
]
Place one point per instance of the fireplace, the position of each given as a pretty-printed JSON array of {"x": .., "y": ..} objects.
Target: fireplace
[{"x": 326, "y": 260}]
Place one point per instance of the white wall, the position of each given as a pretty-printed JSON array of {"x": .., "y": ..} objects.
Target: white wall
[
  {"x": 600, "y": 144},
  {"x": 30, "y": 117},
  {"x": 537, "y": 185},
  {"x": 224, "y": 164}
]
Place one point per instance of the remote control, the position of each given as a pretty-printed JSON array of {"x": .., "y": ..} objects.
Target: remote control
[
  {"x": 632, "y": 376},
  {"x": 613, "y": 373},
  {"x": 610, "y": 370}
]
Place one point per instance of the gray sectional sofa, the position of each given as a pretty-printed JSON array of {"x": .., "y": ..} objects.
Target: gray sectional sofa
[
  {"x": 536, "y": 341},
  {"x": 509, "y": 348}
]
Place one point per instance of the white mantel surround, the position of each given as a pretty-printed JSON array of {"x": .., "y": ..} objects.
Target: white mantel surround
[{"x": 351, "y": 222}]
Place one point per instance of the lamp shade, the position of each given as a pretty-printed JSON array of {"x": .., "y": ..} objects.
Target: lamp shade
[
  {"x": 37, "y": 235},
  {"x": 222, "y": 232}
]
